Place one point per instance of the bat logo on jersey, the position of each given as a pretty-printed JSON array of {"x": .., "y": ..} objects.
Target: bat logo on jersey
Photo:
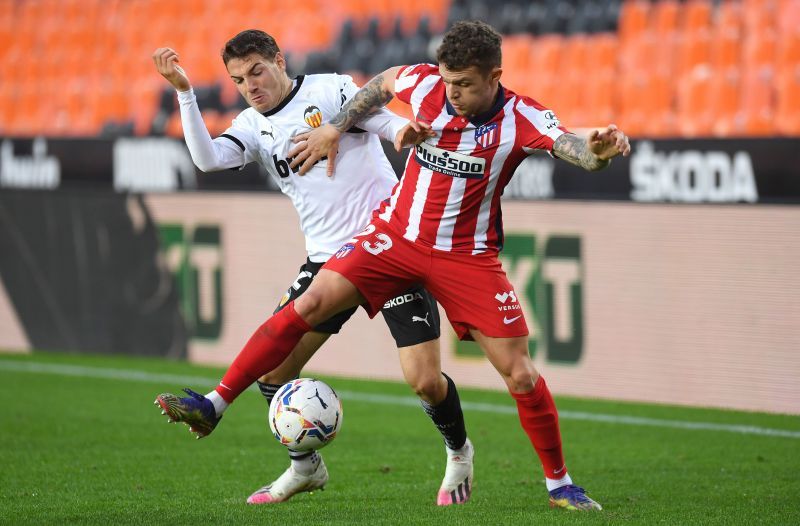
[
  {"x": 449, "y": 163},
  {"x": 313, "y": 116},
  {"x": 486, "y": 135}
]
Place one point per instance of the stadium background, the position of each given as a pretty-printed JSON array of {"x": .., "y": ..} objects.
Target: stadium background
[{"x": 671, "y": 277}]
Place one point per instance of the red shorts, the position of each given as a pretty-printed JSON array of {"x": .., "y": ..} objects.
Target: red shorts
[{"x": 473, "y": 289}]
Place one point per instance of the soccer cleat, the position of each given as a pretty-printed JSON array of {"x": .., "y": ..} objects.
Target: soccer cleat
[
  {"x": 290, "y": 484},
  {"x": 196, "y": 411},
  {"x": 457, "y": 483},
  {"x": 571, "y": 497}
]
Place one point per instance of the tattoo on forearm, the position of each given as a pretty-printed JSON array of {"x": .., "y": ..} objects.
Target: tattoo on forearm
[
  {"x": 366, "y": 100},
  {"x": 574, "y": 149}
]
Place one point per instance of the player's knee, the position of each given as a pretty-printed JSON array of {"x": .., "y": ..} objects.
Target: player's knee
[
  {"x": 309, "y": 306},
  {"x": 521, "y": 377},
  {"x": 432, "y": 388}
]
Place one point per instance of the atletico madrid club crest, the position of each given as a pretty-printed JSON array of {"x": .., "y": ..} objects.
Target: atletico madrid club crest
[
  {"x": 344, "y": 251},
  {"x": 313, "y": 116},
  {"x": 486, "y": 135}
]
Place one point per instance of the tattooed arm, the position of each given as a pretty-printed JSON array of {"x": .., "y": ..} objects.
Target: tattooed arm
[
  {"x": 324, "y": 141},
  {"x": 374, "y": 95},
  {"x": 594, "y": 152}
]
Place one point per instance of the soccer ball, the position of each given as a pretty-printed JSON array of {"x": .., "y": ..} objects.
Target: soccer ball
[{"x": 305, "y": 414}]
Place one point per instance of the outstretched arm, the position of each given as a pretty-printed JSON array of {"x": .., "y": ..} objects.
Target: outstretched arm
[
  {"x": 324, "y": 141},
  {"x": 207, "y": 154},
  {"x": 594, "y": 152}
]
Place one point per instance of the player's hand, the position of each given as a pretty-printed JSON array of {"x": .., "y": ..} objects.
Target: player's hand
[
  {"x": 313, "y": 146},
  {"x": 166, "y": 61},
  {"x": 608, "y": 143},
  {"x": 412, "y": 134}
]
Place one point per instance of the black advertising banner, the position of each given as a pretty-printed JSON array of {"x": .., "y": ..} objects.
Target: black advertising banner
[
  {"x": 83, "y": 272},
  {"x": 679, "y": 171},
  {"x": 150, "y": 164},
  {"x": 657, "y": 171}
]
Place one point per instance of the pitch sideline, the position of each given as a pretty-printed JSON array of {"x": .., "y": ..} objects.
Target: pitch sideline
[{"x": 376, "y": 398}]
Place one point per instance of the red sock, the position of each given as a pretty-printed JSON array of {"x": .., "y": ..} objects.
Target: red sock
[
  {"x": 539, "y": 419},
  {"x": 265, "y": 350}
]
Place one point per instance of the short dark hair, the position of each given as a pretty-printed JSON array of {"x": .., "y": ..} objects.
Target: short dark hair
[
  {"x": 250, "y": 41},
  {"x": 470, "y": 43}
]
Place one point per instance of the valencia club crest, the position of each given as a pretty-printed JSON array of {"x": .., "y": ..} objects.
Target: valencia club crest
[{"x": 313, "y": 116}]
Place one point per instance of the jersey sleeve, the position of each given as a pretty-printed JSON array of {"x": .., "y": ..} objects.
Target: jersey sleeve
[
  {"x": 347, "y": 88},
  {"x": 207, "y": 154},
  {"x": 539, "y": 127},
  {"x": 240, "y": 134},
  {"x": 409, "y": 77}
]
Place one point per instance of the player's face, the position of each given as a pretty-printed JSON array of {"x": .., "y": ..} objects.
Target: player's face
[
  {"x": 470, "y": 91},
  {"x": 263, "y": 83}
]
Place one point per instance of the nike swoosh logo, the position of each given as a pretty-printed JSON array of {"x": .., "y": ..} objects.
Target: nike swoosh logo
[
  {"x": 225, "y": 386},
  {"x": 512, "y": 320},
  {"x": 557, "y": 471}
]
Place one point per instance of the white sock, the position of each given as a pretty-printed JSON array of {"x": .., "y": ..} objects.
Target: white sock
[
  {"x": 306, "y": 464},
  {"x": 557, "y": 483},
  {"x": 460, "y": 451},
  {"x": 220, "y": 405}
]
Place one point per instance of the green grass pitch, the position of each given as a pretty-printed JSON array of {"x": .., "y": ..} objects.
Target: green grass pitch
[{"x": 82, "y": 443}]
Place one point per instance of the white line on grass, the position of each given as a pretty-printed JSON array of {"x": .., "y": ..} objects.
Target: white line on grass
[{"x": 144, "y": 376}]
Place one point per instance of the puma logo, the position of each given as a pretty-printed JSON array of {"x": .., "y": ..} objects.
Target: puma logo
[
  {"x": 316, "y": 395},
  {"x": 425, "y": 319},
  {"x": 268, "y": 133}
]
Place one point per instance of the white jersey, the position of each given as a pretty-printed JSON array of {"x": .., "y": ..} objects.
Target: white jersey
[{"x": 331, "y": 210}]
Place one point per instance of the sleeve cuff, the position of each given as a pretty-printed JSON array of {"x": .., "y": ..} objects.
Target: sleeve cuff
[{"x": 186, "y": 97}]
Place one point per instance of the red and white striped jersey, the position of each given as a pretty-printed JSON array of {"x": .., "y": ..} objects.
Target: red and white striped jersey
[{"x": 449, "y": 195}]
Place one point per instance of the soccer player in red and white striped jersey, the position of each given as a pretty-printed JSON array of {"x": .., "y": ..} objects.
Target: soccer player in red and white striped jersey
[{"x": 442, "y": 225}]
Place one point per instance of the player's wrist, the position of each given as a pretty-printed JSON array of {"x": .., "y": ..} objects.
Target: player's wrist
[{"x": 185, "y": 97}]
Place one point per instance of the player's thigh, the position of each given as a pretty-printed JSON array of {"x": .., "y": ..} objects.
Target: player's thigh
[
  {"x": 329, "y": 294},
  {"x": 293, "y": 365},
  {"x": 306, "y": 276},
  {"x": 476, "y": 294},
  {"x": 380, "y": 263},
  {"x": 412, "y": 317},
  {"x": 510, "y": 358}
]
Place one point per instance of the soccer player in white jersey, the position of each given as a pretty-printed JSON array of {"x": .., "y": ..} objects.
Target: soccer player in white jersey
[{"x": 331, "y": 212}]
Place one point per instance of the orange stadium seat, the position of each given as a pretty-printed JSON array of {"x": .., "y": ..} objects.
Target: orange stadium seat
[
  {"x": 789, "y": 17},
  {"x": 664, "y": 19},
  {"x": 599, "y": 102},
  {"x": 728, "y": 19},
  {"x": 787, "y": 114},
  {"x": 658, "y": 104},
  {"x": 724, "y": 93},
  {"x": 726, "y": 52},
  {"x": 697, "y": 15},
  {"x": 756, "y": 105},
  {"x": 693, "y": 50},
  {"x": 788, "y": 52},
  {"x": 632, "y": 110},
  {"x": 760, "y": 50},
  {"x": 633, "y": 19},
  {"x": 760, "y": 15},
  {"x": 516, "y": 62},
  {"x": 694, "y": 103}
]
